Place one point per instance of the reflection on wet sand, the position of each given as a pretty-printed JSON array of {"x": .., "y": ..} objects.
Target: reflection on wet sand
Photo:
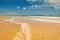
[{"x": 23, "y": 28}]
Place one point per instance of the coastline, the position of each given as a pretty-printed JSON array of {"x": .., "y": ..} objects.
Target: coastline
[
  {"x": 29, "y": 28},
  {"x": 45, "y": 19},
  {"x": 33, "y": 18}
]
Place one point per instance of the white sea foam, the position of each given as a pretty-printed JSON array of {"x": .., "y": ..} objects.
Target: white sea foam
[
  {"x": 45, "y": 20},
  {"x": 25, "y": 29},
  {"x": 17, "y": 37}
]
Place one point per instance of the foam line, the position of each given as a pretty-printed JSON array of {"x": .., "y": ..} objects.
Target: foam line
[
  {"x": 45, "y": 20},
  {"x": 26, "y": 29},
  {"x": 24, "y": 26}
]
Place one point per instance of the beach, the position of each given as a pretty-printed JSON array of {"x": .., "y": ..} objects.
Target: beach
[{"x": 29, "y": 28}]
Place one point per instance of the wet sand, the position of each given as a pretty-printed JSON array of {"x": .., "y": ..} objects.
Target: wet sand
[{"x": 26, "y": 29}]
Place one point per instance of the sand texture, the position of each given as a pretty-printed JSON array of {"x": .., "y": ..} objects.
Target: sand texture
[{"x": 24, "y": 28}]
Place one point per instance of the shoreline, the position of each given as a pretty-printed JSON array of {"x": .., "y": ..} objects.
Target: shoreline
[
  {"x": 34, "y": 18},
  {"x": 45, "y": 19},
  {"x": 28, "y": 28}
]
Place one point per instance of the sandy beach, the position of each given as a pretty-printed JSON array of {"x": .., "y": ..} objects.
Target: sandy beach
[{"x": 29, "y": 28}]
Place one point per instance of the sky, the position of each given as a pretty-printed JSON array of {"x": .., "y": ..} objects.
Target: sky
[{"x": 30, "y": 7}]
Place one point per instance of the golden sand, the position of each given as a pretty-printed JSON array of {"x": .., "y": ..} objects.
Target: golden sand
[{"x": 29, "y": 30}]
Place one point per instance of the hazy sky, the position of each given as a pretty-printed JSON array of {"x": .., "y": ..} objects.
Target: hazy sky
[{"x": 30, "y": 7}]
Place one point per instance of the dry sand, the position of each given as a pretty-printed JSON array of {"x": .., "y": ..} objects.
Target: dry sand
[{"x": 25, "y": 28}]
